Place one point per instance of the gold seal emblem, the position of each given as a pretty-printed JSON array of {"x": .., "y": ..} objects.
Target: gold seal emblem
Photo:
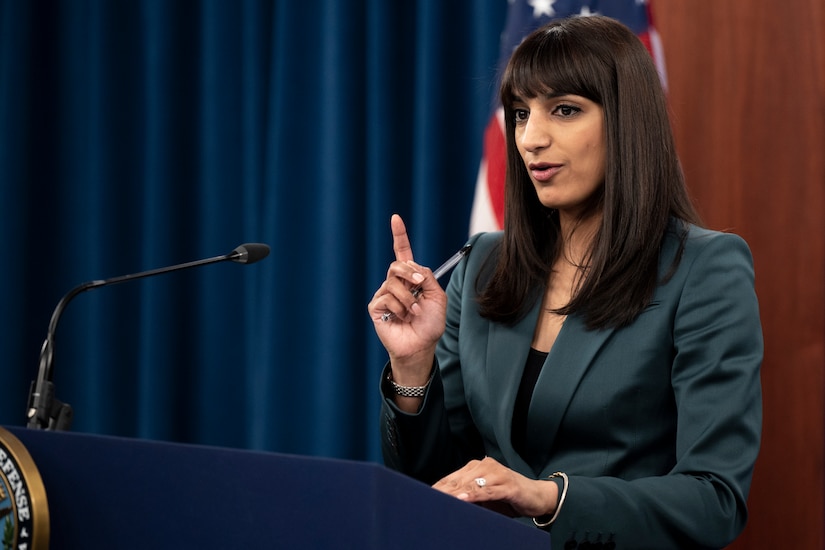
[{"x": 24, "y": 511}]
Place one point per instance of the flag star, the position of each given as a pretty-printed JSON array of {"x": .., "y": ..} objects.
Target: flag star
[
  {"x": 585, "y": 12},
  {"x": 542, "y": 7}
]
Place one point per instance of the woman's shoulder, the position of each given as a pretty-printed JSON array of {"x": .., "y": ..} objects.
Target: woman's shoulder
[
  {"x": 483, "y": 244},
  {"x": 689, "y": 242},
  {"x": 695, "y": 237},
  {"x": 486, "y": 239},
  {"x": 483, "y": 248}
]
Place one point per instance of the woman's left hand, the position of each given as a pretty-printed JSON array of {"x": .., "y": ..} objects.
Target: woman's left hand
[{"x": 489, "y": 483}]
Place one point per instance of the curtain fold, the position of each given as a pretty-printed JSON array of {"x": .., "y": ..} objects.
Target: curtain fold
[{"x": 142, "y": 134}]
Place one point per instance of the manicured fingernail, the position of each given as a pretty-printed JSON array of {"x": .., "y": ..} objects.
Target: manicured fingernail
[{"x": 418, "y": 277}]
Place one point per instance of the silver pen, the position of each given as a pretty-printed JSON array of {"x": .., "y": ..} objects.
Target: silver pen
[{"x": 442, "y": 270}]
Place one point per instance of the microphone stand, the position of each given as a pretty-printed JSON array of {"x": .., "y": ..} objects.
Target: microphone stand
[{"x": 45, "y": 411}]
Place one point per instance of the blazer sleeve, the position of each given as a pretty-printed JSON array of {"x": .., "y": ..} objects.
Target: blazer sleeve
[{"x": 701, "y": 502}]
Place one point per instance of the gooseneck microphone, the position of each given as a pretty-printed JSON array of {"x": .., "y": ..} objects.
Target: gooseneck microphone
[{"x": 45, "y": 411}]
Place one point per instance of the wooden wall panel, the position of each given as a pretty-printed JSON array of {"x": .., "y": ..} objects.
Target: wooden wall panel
[{"x": 747, "y": 91}]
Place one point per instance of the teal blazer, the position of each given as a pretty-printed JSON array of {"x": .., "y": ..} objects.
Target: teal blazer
[{"x": 657, "y": 424}]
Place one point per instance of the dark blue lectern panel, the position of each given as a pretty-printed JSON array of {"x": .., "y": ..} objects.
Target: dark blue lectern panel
[{"x": 117, "y": 493}]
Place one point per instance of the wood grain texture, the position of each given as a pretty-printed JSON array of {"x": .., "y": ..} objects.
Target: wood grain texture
[{"x": 746, "y": 82}]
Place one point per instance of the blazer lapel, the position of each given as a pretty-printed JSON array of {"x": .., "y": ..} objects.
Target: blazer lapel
[
  {"x": 568, "y": 360},
  {"x": 507, "y": 349}
]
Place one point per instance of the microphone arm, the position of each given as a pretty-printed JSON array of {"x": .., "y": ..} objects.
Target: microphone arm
[{"x": 45, "y": 411}]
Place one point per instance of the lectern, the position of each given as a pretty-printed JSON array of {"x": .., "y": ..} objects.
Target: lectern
[{"x": 121, "y": 493}]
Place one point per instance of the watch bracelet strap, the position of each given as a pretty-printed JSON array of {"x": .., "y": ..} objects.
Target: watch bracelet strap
[{"x": 408, "y": 391}]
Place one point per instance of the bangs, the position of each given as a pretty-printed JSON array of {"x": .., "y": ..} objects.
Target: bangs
[{"x": 547, "y": 62}]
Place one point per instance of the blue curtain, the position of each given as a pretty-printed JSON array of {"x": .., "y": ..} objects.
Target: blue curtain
[{"x": 135, "y": 135}]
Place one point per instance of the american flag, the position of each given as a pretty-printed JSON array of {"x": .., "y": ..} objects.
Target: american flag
[{"x": 523, "y": 17}]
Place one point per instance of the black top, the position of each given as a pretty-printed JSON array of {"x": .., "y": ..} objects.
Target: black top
[{"x": 535, "y": 361}]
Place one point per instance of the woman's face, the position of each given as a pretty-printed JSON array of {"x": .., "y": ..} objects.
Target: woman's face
[{"x": 561, "y": 139}]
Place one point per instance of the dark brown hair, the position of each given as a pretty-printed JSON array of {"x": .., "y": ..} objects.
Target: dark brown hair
[{"x": 602, "y": 60}]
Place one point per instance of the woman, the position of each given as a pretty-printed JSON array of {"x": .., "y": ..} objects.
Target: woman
[{"x": 595, "y": 367}]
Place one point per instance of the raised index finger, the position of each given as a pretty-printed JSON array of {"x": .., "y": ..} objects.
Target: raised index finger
[{"x": 400, "y": 241}]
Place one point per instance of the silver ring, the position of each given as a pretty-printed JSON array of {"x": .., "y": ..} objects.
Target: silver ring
[{"x": 480, "y": 481}]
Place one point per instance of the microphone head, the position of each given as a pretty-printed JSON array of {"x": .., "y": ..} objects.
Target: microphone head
[{"x": 249, "y": 253}]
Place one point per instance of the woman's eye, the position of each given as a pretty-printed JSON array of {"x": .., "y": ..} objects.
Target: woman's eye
[
  {"x": 566, "y": 110},
  {"x": 520, "y": 115}
]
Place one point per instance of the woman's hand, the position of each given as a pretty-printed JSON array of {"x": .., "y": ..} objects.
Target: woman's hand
[
  {"x": 408, "y": 325},
  {"x": 495, "y": 486}
]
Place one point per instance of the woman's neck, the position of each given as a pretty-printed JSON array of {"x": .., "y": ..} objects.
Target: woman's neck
[{"x": 577, "y": 235}]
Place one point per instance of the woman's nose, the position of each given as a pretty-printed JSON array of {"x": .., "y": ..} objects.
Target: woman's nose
[{"x": 534, "y": 135}]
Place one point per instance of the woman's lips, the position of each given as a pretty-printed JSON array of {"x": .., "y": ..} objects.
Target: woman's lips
[{"x": 543, "y": 171}]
